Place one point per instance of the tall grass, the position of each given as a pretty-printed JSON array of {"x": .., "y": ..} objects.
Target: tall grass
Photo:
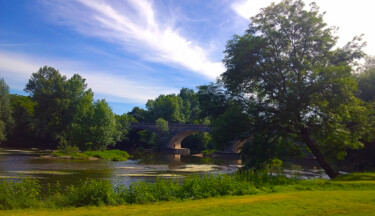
[
  {"x": 74, "y": 153},
  {"x": 20, "y": 194},
  {"x": 27, "y": 193},
  {"x": 113, "y": 155}
]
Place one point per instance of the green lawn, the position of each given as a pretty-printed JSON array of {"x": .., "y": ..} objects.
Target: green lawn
[{"x": 290, "y": 203}]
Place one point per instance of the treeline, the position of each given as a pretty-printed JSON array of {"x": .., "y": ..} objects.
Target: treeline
[{"x": 62, "y": 112}]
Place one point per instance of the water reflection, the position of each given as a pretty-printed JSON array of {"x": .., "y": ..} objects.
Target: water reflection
[{"x": 145, "y": 166}]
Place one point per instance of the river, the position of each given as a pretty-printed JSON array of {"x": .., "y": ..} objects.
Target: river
[{"x": 145, "y": 166}]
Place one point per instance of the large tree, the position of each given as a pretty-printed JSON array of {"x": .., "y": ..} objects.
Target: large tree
[{"x": 292, "y": 81}]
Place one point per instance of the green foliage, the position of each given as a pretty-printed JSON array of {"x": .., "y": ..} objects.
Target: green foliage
[
  {"x": 6, "y": 120},
  {"x": 231, "y": 125},
  {"x": 88, "y": 193},
  {"x": 292, "y": 82},
  {"x": 139, "y": 114},
  {"x": 47, "y": 87},
  {"x": 213, "y": 100},
  {"x": 162, "y": 125},
  {"x": 94, "y": 125},
  {"x": 19, "y": 194},
  {"x": 198, "y": 142},
  {"x": 113, "y": 155},
  {"x": 70, "y": 151},
  {"x": 27, "y": 193},
  {"x": 168, "y": 107},
  {"x": 366, "y": 81},
  {"x": 25, "y": 128},
  {"x": 74, "y": 153},
  {"x": 123, "y": 126},
  {"x": 191, "y": 106},
  {"x": 259, "y": 151},
  {"x": 148, "y": 139},
  {"x": 208, "y": 152}
]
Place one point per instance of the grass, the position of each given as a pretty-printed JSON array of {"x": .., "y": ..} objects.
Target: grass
[
  {"x": 263, "y": 194},
  {"x": 73, "y": 153},
  {"x": 291, "y": 203},
  {"x": 113, "y": 155}
]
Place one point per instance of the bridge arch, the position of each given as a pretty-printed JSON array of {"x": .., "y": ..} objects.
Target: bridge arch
[{"x": 176, "y": 141}]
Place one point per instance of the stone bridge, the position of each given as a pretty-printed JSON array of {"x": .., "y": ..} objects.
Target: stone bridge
[{"x": 178, "y": 132}]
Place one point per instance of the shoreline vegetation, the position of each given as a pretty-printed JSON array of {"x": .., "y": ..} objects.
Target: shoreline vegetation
[
  {"x": 72, "y": 152},
  {"x": 28, "y": 193}
]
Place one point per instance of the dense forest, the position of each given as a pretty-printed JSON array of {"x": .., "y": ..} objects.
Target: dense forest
[{"x": 287, "y": 87}]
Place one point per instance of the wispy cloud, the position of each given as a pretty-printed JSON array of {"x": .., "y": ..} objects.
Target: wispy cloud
[
  {"x": 17, "y": 69},
  {"x": 137, "y": 27}
]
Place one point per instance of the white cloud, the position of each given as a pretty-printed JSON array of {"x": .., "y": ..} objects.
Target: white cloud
[
  {"x": 352, "y": 17},
  {"x": 133, "y": 25},
  {"x": 16, "y": 69}
]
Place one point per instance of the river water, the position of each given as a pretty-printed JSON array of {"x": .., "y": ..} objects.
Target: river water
[{"x": 27, "y": 163}]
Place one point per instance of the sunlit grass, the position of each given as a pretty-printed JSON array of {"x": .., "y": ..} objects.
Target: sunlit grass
[
  {"x": 113, "y": 155},
  {"x": 71, "y": 153},
  {"x": 291, "y": 203}
]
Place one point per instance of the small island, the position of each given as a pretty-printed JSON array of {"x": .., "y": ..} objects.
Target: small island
[{"x": 72, "y": 152}]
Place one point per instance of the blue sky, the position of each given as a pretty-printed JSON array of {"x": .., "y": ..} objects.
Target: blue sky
[{"x": 133, "y": 50}]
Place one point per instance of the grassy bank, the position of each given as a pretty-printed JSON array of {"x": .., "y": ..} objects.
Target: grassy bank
[
  {"x": 263, "y": 194},
  {"x": 74, "y": 153},
  {"x": 289, "y": 203}
]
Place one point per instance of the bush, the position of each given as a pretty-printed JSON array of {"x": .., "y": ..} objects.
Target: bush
[
  {"x": 88, "y": 193},
  {"x": 19, "y": 194}
]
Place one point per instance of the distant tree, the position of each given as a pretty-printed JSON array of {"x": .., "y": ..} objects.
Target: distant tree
[
  {"x": 123, "y": 123},
  {"x": 366, "y": 81},
  {"x": 139, "y": 114},
  {"x": 6, "y": 120},
  {"x": 291, "y": 81},
  {"x": 25, "y": 122},
  {"x": 162, "y": 125},
  {"x": 169, "y": 107},
  {"x": 190, "y": 105},
  {"x": 46, "y": 88},
  {"x": 94, "y": 125}
]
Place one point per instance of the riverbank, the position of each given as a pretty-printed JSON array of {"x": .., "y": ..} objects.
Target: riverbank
[{"x": 349, "y": 194}]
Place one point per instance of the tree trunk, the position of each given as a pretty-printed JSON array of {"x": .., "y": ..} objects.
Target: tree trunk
[{"x": 318, "y": 155}]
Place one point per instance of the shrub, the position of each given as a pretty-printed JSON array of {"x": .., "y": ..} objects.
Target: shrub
[
  {"x": 19, "y": 194},
  {"x": 89, "y": 192}
]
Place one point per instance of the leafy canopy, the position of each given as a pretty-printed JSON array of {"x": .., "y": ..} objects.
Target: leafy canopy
[{"x": 289, "y": 78}]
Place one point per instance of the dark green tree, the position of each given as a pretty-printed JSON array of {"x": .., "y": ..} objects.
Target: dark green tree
[
  {"x": 25, "y": 124},
  {"x": 291, "y": 81},
  {"x": 46, "y": 88},
  {"x": 139, "y": 114},
  {"x": 123, "y": 123},
  {"x": 366, "y": 81},
  {"x": 190, "y": 105},
  {"x": 6, "y": 120},
  {"x": 94, "y": 125}
]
